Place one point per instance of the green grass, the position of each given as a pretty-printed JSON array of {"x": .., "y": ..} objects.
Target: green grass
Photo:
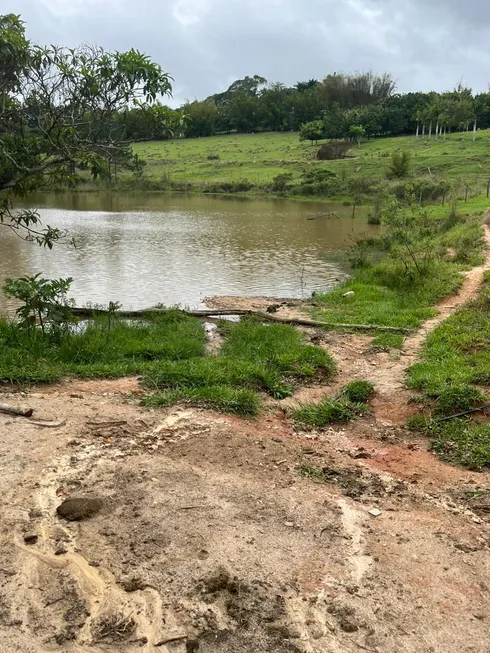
[
  {"x": 457, "y": 352},
  {"x": 349, "y": 405},
  {"x": 169, "y": 351},
  {"x": 454, "y": 361},
  {"x": 388, "y": 340},
  {"x": 358, "y": 392},
  {"x": 386, "y": 294},
  {"x": 221, "y": 398},
  {"x": 268, "y": 358},
  {"x": 94, "y": 351},
  {"x": 258, "y": 158}
]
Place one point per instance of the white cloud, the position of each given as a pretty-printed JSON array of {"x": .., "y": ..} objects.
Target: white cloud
[{"x": 206, "y": 44}]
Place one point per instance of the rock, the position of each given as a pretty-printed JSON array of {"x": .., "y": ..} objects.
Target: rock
[
  {"x": 351, "y": 293},
  {"x": 79, "y": 508},
  {"x": 374, "y": 512},
  {"x": 348, "y": 625},
  {"x": 30, "y": 538},
  {"x": 60, "y": 551}
]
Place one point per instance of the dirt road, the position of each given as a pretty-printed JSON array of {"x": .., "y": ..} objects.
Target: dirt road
[{"x": 214, "y": 537}]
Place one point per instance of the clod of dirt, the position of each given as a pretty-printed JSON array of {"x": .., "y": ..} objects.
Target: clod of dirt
[
  {"x": 79, "y": 508},
  {"x": 133, "y": 584},
  {"x": 30, "y": 538},
  {"x": 216, "y": 582}
]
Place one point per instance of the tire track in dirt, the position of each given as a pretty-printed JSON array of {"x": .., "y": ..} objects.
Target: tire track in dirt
[{"x": 97, "y": 586}]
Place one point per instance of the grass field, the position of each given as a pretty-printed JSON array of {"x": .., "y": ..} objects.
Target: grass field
[{"x": 258, "y": 158}]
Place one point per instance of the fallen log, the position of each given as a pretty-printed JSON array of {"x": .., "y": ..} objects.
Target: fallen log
[
  {"x": 87, "y": 312},
  {"x": 16, "y": 410},
  {"x": 332, "y": 325},
  {"x": 91, "y": 312}
]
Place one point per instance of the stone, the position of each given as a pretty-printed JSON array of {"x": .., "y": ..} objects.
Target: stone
[
  {"x": 351, "y": 293},
  {"x": 79, "y": 508},
  {"x": 374, "y": 512},
  {"x": 30, "y": 538}
]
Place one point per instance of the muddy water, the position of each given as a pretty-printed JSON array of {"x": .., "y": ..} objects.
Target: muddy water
[{"x": 141, "y": 249}]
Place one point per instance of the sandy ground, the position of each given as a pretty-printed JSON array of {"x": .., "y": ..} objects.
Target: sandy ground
[{"x": 209, "y": 538}]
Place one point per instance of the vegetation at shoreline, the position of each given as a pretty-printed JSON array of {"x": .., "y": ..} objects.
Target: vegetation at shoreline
[
  {"x": 400, "y": 276},
  {"x": 169, "y": 351}
]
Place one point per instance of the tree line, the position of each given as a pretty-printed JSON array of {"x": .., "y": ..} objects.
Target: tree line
[{"x": 340, "y": 106}]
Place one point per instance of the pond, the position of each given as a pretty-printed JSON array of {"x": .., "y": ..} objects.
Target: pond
[{"x": 142, "y": 249}]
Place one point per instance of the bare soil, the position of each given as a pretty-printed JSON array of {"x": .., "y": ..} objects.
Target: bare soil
[{"x": 220, "y": 535}]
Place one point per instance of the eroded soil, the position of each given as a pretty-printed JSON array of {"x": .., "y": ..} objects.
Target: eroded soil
[{"x": 220, "y": 535}]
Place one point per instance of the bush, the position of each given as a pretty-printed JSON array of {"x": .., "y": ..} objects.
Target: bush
[
  {"x": 399, "y": 166},
  {"x": 333, "y": 150},
  {"x": 213, "y": 157},
  {"x": 421, "y": 189},
  {"x": 319, "y": 182},
  {"x": 281, "y": 183}
]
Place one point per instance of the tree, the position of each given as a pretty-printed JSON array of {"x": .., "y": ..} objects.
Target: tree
[
  {"x": 399, "y": 166},
  {"x": 203, "y": 118},
  {"x": 357, "y": 132},
  {"x": 359, "y": 89},
  {"x": 303, "y": 87},
  {"x": 58, "y": 116},
  {"x": 312, "y": 131}
]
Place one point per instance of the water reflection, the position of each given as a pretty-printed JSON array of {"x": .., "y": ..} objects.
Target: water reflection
[{"x": 141, "y": 249}]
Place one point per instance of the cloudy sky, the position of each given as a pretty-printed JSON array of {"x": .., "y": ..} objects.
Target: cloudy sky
[{"x": 207, "y": 44}]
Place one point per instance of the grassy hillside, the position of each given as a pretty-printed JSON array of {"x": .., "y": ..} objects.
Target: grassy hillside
[{"x": 258, "y": 158}]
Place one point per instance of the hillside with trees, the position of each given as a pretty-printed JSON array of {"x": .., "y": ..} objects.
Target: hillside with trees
[{"x": 354, "y": 106}]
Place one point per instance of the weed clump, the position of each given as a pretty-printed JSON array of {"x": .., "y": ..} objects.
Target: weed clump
[
  {"x": 349, "y": 405},
  {"x": 358, "y": 392}
]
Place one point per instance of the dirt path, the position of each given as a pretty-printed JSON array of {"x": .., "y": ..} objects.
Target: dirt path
[{"x": 215, "y": 537}]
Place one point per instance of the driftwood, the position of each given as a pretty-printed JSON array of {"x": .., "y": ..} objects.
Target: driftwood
[
  {"x": 87, "y": 313},
  {"x": 16, "y": 410}
]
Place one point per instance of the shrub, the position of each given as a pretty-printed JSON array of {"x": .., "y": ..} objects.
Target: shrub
[
  {"x": 281, "y": 183},
  {"x": 399, "y": 166},
  {"x": 333, "y": 150},
  {"x": 44, "y": 301},
  {"x": 421, "y": 189}
]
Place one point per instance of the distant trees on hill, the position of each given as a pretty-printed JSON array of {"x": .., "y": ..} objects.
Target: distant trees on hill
[{"x": 347, "y": 106}]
